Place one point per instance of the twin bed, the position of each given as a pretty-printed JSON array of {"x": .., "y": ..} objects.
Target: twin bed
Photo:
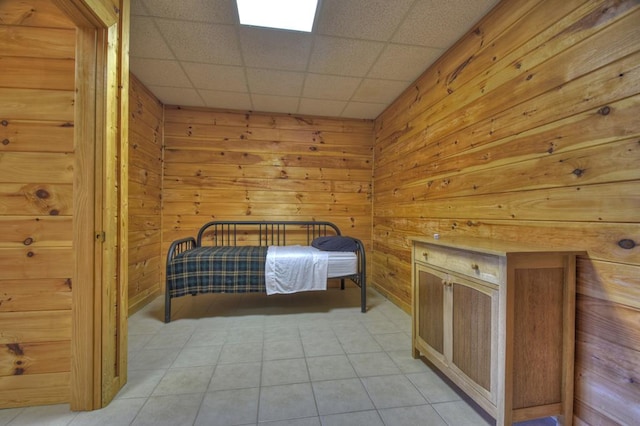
[{"x": 263, "y": 256}]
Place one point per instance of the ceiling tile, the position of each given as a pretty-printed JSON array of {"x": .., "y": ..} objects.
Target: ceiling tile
[
  {"x": 216, "y": 77},
  {"x": 379, "y": 91},
  {"x": 275, "y": 49},
  {"x": 402, "y": 62},
  {"x": 228, "y": 100},
  {"x": 158, "y": 72},
  {"x": 353, "y": 18},
  {"x": 321, "y": 107},
  {"x": 269, "y": 103},
  {"x": 363, "y": 110},
  {"x": 341, "y": 56},
  {"x": 137, "y": 8},
  {"x": 198, "y": 42},
  {"x": 146, "y": 41},
  {"x": 177, "y": 96},
  {"x": 359, "y": 58},
  {"x": 271, "y": 82},
  {"x": 214, "y": 11},
  {"x": 322, "y": 86},
  {"x": 440, "y": 23}
]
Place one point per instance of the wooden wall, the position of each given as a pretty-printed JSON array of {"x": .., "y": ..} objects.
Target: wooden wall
[
  {"x": 528, "y": 130},
  {"x": 145, "y": 195},
  {"x": 37, "y": 51},
  {"x": 250, "y": 166}
]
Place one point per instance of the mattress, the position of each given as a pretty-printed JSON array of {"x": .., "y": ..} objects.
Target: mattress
[{"x": 341, "y": 264}]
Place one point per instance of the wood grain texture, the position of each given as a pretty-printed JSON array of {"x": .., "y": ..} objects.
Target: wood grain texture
[
  {"x": 33, "y": 13},
  {"x": 36, "y": 389},
  {"x": 145, "y": 195},
  {"x": 537, "y": 374},
  {"x": 34, "y": 358},
  {"x": 472, "y": 331},
  {"x": 27, "y": 136},
  {"x": 38, "y": 294},
  {"x": 37, "y": 51},
  {"x": 527, "y": 130}
]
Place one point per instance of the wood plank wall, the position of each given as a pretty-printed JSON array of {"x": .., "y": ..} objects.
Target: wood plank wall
[
  {"x": 37, "y": 51},
  {"x": 249, "y": 166},
  {"x": 145, "y": 195},
  {"x": 528, "y": 130}
]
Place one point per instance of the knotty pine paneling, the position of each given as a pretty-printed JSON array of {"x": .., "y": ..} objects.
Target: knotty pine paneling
[
  {"x": 145, "y": 195},
  {"x": 37, "y": 88},
  {"x": 222, "y": 165},
  {"x": 527, "y": 130}
]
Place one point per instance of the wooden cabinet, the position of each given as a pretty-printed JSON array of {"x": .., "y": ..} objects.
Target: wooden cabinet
[{"x": 498, "y": 319}]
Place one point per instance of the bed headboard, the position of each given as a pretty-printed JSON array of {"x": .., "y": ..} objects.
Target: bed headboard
[{"x": 263, "y": 233}]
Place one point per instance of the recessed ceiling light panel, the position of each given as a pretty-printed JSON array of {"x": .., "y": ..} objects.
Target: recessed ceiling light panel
[{"x": 296, "y": 15}]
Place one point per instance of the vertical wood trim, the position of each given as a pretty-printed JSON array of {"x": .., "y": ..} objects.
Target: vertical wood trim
[
  {"x": 98, "y": 202},
  {"x": 114, "y": 277},
  {"x": 95, "y": 13},
  {"x": 162, "y": 144},
  {"x": 99, "y": 247},
  {"x": 505, "y": 400},
  {"x": 415, "y": 291},
  {"x": 123, "y": 237},
  {"x": 568, "y": 345},
  {"x": 108, "y": 305},
  {"x": 84, "y": 212}
]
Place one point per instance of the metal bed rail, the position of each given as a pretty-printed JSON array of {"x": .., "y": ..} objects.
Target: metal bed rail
[{"x": 272, "y": 233}]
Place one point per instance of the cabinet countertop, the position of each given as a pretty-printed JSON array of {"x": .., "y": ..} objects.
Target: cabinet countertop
[{"x": 491, "y": 246}]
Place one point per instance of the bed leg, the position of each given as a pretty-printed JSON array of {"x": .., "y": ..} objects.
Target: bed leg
[
  {"x": 363, "y": 300},
  {"x": 363, "y": 293},
  {"x": 167, "y": 306},
  {"x": 341, "y": 283}
]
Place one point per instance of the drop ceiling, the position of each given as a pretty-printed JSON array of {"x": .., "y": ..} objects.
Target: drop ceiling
[{"x": 359, "y": 57}]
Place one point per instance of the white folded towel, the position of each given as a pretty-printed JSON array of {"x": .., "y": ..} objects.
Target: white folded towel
[{"x": 290, "y": 269}]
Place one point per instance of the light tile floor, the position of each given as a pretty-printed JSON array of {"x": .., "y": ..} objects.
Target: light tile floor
[{"x": 307, "y": 359}]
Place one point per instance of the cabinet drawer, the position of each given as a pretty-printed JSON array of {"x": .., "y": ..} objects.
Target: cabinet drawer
[{"x": 482, "y": 266}]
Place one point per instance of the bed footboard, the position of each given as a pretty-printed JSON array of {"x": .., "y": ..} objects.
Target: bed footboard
[
  {"x": 361, "y": 278},
  {"x": 177, "y": 247}
]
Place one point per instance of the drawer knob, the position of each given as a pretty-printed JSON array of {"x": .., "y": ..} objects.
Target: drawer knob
[
  {"x": 425, "y": 254},
  {"x": 475, "y": 267}
]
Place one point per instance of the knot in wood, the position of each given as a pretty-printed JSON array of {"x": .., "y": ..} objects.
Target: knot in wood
[
  {"x": 5, "y": 142},
  {"x": 28, "y": 241},
  {"x": 42, "y": 193},
  {"x": 15, "y": 348},
  {"x": 627, "y": 243},
  {"x": 30, "y": 254},
  {"x": 604, "y": 110},
  {"x": 5, "y": 123},
  {"x": 578, "y": 172}
]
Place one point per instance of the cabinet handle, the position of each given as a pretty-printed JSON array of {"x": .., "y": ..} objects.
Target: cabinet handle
[
  {"x": 475, "y": 267},
  {"x": 425, "y": 254}
]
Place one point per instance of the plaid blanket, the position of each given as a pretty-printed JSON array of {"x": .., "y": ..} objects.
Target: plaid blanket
[{"x": 217, "y": 270}]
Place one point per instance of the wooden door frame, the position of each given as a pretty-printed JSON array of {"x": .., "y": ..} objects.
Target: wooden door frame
[{"x": 99, "y": 296}]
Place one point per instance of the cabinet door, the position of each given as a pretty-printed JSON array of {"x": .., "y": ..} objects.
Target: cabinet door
[
  {"x": 474, "y": 333},
  {"x": 431, "y": 308}
]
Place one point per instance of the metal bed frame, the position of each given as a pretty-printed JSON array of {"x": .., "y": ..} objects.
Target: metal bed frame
[{"x": 265, "y": 233}]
